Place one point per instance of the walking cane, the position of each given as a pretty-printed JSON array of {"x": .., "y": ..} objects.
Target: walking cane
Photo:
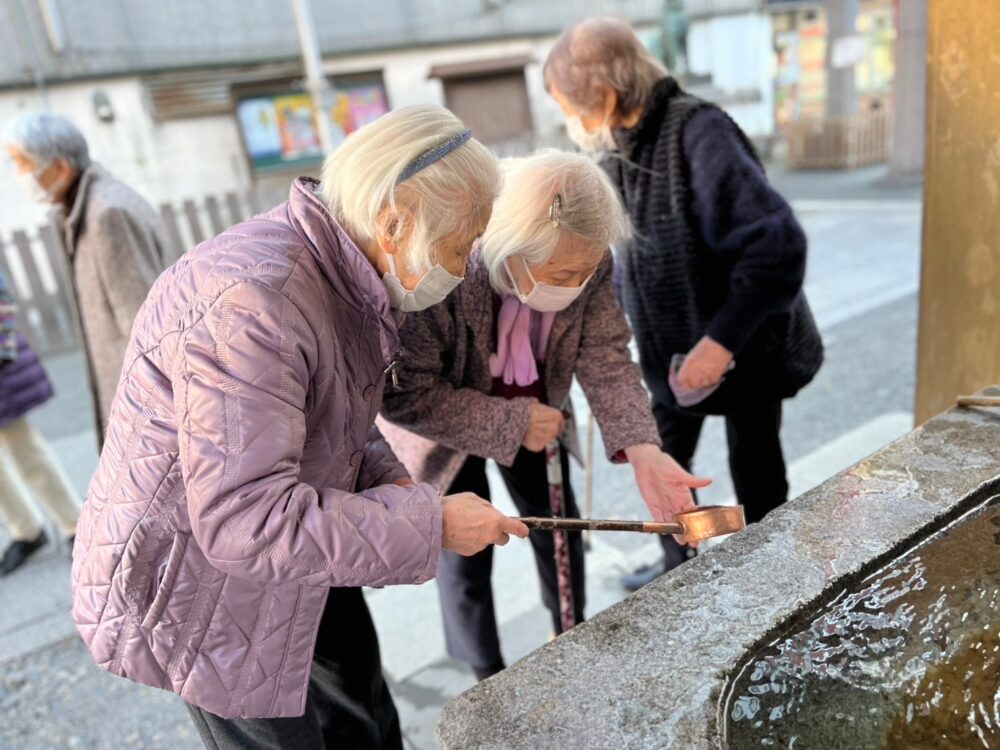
[
  {"x": 588, "y": 478},
  {"x": 557, "y": 506}
]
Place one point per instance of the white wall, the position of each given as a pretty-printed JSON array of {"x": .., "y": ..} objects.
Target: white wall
[
  {"x": 737, "y": 51},
  {"x": 405, "y": 73},
  {"x": 164, "y": 161}
]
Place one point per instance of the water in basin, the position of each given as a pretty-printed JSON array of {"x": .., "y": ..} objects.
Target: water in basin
[{"x": 907, "y": 658}]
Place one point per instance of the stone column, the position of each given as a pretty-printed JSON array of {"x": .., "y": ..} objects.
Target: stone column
[
  {"x": 906, "y": 159},
  {"x": 841, "y": 97},
  {"x": 959, "y": 339}
]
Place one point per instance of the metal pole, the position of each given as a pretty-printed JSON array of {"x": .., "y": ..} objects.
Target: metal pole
[
  {"x": 317, "y": 83},
  {"x": 53, "y": 25},
  {"x": 36, "y": 61},
  {"x": 910, "y": 90},
  {"x": 842, "y": 17}
]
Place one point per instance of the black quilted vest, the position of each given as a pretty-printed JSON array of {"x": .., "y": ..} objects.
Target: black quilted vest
[{"x": 673, "y": 284}]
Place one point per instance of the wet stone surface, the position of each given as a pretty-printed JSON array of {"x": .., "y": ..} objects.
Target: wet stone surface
[
  {"x": 908, "y": 657},
  {"x": 649, "y": 672}
]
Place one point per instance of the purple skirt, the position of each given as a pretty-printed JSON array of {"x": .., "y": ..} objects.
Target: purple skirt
[{"x": 23, "y": 384}]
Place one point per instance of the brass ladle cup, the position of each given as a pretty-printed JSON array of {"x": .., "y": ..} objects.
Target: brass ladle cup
[{"x": 691, "y": 525}]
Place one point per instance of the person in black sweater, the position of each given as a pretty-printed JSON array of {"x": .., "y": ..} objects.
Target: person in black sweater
[{"x": 712, "y": 279}]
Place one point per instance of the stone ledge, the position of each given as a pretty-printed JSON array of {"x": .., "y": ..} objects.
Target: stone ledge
[{"x": 647, "y": 672}]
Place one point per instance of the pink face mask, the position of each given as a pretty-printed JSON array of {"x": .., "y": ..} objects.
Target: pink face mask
[{"x": 547, "y": 298}]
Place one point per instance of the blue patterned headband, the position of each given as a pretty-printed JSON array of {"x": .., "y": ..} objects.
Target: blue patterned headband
[{"x": 436, "y": 153}]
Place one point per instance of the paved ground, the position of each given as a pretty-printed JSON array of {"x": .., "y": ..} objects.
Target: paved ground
[{"x": 862, "y": 284}]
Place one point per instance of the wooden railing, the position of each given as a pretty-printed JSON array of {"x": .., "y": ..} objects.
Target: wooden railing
[
  {"x": 36, "y": 266},
  {"x": 839, "y": 142}
]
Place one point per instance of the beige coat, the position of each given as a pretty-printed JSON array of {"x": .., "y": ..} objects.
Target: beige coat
[{"x": 117, "y": 247}]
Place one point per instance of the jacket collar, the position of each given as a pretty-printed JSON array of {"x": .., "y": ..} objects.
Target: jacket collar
[
  {"x": 475, "y": 294},
  {"x": 341, "y": 261},
  {"x": 651, "y": 121},
  {"x": 72, "y": 220}
]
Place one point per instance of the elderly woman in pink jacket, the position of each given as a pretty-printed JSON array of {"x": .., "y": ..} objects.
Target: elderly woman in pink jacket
[
  {"x": 244, "y": 494},
  {"x": 486, "y": 373}
]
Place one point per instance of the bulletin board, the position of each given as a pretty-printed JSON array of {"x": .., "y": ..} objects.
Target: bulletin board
[{"x": 279, "y": 127}]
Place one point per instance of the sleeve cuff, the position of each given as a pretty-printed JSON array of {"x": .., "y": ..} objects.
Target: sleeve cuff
[
  {"x": 516, "y": 430},
  {"x": 436, "y": 520},
  {"x": 733, "y": 328}
]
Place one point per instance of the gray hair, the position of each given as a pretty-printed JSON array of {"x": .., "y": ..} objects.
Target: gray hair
[
  {"x": 449, "y": 198},
  {"x": 548, "y": 200},
  {"x": 598, "y": 54},
  {"x": 45, "y": 137}
]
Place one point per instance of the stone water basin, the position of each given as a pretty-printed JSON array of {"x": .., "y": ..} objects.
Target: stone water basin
[
  {"x": 655, "y": 670},
  {"x": 907, "y": 657}
]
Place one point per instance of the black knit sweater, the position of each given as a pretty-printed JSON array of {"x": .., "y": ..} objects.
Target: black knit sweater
[{"x": 716, "y": 252}]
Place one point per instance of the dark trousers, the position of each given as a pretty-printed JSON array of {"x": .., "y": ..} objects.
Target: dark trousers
[
  {"x": 470, "y": 625},
  {"x": 756, "y": 461},
  {"x": 348, "y": 703}
]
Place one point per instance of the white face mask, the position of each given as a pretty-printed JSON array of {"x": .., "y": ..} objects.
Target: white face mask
[
  {"x": 547, "y": 298},
  {"x": 432, "y": 288},
  {"x": 31, "y": 185},
  {"x": 601, "y": 139}
]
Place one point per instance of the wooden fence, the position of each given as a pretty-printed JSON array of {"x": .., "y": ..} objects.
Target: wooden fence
[
  {"x": 36, "y": 266},
  {"x": 839, "y": 142}
]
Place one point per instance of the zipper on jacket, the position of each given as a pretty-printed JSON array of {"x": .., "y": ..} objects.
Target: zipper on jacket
[{"x": 390, "y": 372}]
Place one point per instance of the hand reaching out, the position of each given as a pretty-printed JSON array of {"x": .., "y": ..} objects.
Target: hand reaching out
[{"x": 664, "y": 484}]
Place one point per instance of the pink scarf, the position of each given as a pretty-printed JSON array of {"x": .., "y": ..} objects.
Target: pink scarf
[{"x": 522, "y": 340}]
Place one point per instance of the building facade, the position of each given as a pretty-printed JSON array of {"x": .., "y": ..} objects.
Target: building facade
[
  {"x": 199, "y": 97},
  {"x": 768, "y": 61}
]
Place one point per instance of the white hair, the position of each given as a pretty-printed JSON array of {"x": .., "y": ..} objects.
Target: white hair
[
  {"x": 448, "y": 199},
  {"x": 45, "y": 137},
  {"x": 550, "y": 200}
]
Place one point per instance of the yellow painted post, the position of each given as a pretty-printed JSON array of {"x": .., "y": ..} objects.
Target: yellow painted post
[{"x": 959, "y": 339}]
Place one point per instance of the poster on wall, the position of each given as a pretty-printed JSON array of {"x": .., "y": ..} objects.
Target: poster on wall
[
  {"x": 259, "y": 122},
  {"x": 847, "y": 51},
  {"x": 357, "y": 106},
  {"x": 800, "y": 65},
  {"x": 786, "y": 82},
  {"x": 280, "y": 131},
  {"x": 812, "y": 66},
  {"x": 877, "y": 71},
  {"x": 297, "y": 126}
]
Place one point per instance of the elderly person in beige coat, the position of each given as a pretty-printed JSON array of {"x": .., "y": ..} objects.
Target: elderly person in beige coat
[
  {"x": 486, "y": 374},
  {"x": 114, "y": 239}
]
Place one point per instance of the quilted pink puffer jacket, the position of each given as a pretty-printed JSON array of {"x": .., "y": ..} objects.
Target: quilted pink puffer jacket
[{"x": 242, "y": 475}]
